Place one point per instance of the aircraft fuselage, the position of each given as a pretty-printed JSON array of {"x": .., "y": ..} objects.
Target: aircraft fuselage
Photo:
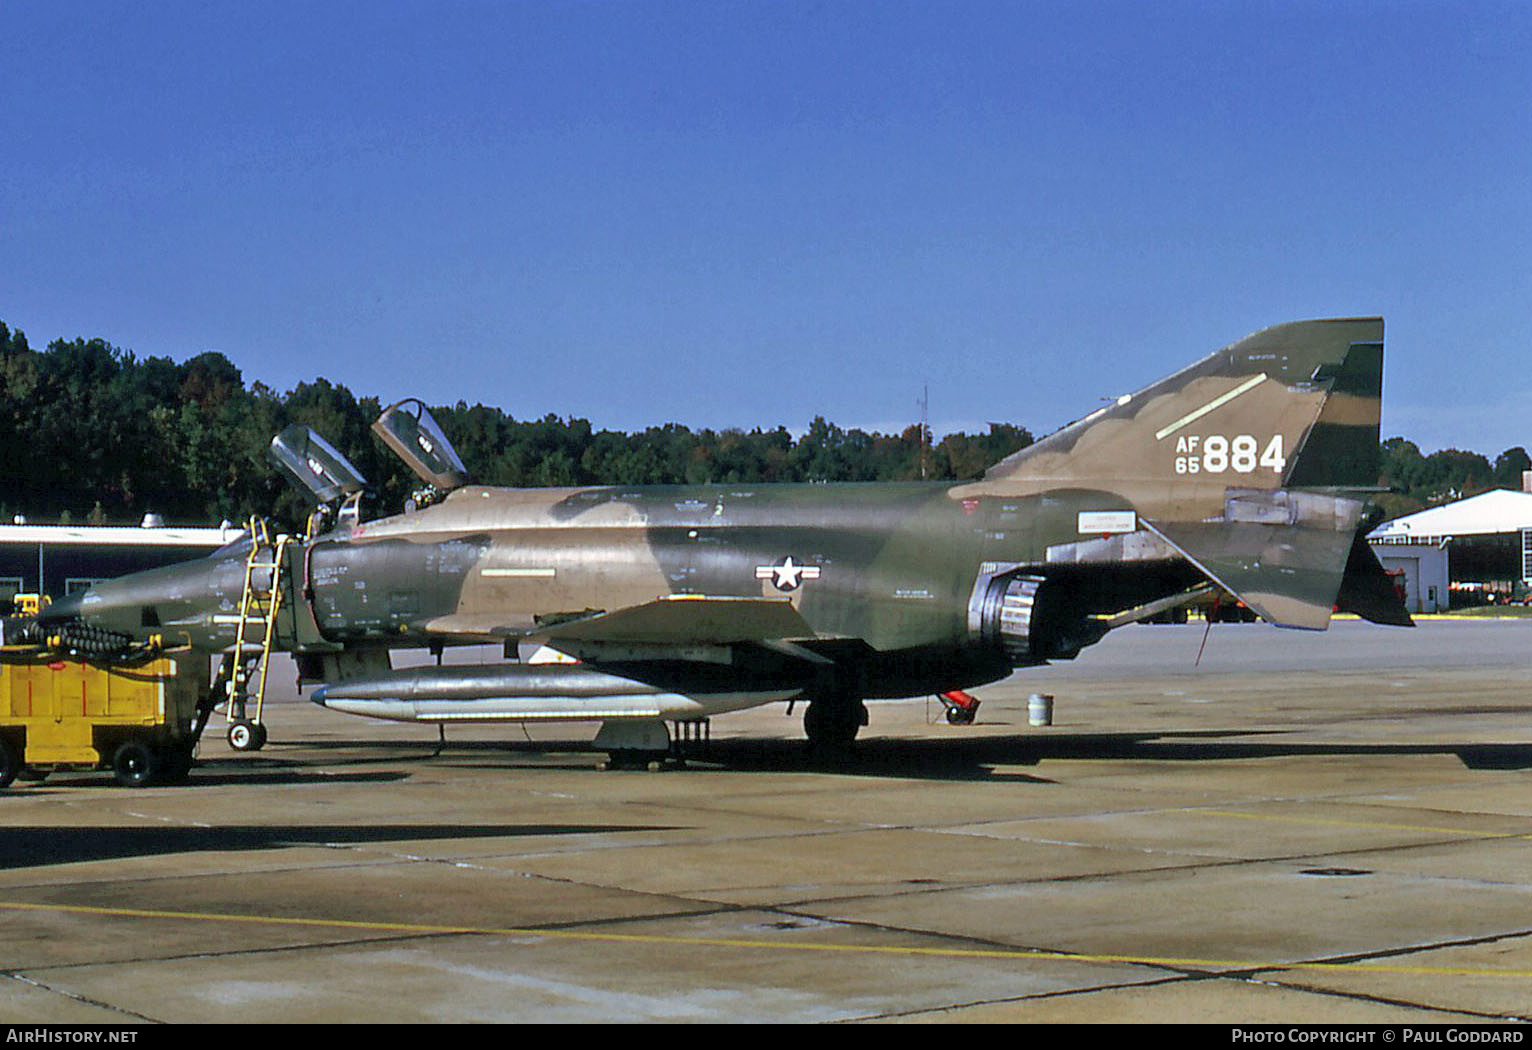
[{"x": 888, "y": 578}]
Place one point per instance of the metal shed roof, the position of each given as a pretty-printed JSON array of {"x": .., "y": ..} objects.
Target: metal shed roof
[
  {"x": 116, "y": 536},
  {"x": 1489, "y": 513}
]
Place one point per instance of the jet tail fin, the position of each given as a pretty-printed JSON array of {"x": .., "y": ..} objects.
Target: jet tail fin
[
  {"x": 1250, "y": 463},
  {"x": 1296, "y": 405}
]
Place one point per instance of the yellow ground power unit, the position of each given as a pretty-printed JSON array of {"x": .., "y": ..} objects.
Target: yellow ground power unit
[{"x": 138, "y": 721}]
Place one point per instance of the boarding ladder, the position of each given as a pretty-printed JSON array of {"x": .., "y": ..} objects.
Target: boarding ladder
[{"x": 260, "y": 601}]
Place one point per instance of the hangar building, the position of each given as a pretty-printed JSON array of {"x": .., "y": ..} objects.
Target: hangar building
[
  {"x": 1479, "y": 548},
  {"x": 61, "y": 559}
]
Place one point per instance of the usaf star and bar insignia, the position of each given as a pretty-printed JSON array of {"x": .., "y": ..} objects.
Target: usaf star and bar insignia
[{"x": 786, "y": 574}]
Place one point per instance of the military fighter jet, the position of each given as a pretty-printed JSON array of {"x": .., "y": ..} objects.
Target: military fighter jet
[{"x": 1244, "y": 474}]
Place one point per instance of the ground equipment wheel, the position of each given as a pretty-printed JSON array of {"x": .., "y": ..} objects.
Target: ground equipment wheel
[
  {"x": 135, "y": 764},
  {"x": 247, "y": 736},
  {"x": 10, "y": 762},
  {"x": 961, "y": 708}
]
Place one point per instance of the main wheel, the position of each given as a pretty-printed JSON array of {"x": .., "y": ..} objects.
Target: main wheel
[
  {"x": 135, "y": 764},
  {"x": 832, "y": 725}
]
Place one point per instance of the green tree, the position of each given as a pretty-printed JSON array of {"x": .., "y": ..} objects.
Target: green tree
[{"x": 1510, "y": 466}]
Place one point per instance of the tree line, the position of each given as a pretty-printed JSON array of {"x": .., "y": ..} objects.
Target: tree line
[
  {"x": 90, "y": 432},
  {"x": 1417, "y": 480}
]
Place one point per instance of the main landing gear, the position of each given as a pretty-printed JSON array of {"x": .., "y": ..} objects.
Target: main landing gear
[{"x": 832, "y": 724}]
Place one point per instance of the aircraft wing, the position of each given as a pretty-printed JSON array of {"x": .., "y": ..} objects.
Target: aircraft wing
[
  {"x": 686, "y": 619},
  {"x": 681, "y": 619}
]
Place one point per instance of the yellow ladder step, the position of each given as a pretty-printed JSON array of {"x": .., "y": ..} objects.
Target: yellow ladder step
[{"x": 259, "y": 605}]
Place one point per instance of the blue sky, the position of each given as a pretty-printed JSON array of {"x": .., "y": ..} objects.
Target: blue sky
[{"x": 748, "y": 214}]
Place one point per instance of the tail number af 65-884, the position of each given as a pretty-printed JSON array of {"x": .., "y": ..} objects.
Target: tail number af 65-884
[{"x": 1218, "y": 453}]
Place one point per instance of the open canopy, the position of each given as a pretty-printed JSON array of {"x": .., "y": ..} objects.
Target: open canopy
[
  {"x": 313, "y": 465},
  {"x": 409, "y": 429}
]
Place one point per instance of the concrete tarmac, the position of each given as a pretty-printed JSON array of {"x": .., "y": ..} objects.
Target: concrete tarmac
[{"x": 1303, "y": 828}]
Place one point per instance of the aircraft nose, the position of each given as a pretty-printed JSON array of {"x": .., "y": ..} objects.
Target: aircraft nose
[{"x": 65, "y": 608}]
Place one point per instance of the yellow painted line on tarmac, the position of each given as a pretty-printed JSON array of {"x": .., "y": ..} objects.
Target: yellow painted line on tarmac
[
  {"x": 1369, "y": 825},
  {"x": 1448, "y": 616},
  {"x": 1475, "y": 619},
  {"x": 777, "y": 946}
]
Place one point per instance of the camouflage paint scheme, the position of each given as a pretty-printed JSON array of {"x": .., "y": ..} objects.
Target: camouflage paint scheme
[{"x": 1246, "y": 470}]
